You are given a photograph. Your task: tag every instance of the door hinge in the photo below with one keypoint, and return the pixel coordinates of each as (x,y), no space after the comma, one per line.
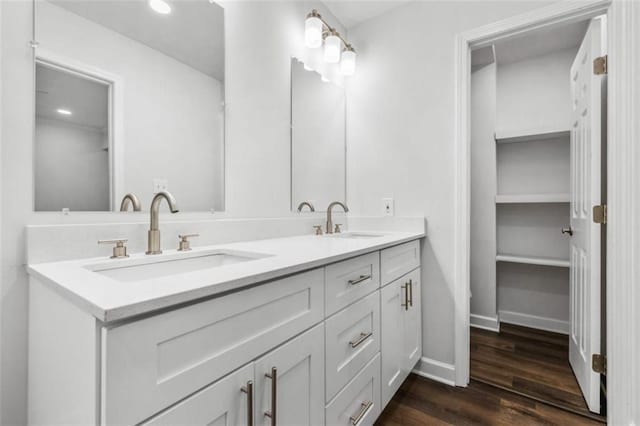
(600,214)
(599,363)
(600,65)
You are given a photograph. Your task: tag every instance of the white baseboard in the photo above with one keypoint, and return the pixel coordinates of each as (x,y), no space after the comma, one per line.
(436,370)
(542,323)
(485,323)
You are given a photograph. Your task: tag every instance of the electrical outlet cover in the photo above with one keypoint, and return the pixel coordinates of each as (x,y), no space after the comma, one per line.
(387,207)
(160,184)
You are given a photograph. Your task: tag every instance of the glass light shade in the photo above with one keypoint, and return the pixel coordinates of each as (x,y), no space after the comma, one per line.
(348,62)
(332,49)
(160,6)
(313,32)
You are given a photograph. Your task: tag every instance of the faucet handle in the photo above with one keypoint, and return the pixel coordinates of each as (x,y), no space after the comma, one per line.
(318,229)
(120,248)
(185,244)
(337,229)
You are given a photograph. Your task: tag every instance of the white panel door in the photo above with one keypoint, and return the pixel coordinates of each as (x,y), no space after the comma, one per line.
(298,394)
(412,322)
(586,193)
(392,297)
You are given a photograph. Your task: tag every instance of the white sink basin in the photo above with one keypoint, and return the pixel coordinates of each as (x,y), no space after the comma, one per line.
(166,265)
(355,234)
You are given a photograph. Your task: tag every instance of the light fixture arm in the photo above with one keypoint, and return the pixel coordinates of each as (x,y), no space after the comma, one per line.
(329,30)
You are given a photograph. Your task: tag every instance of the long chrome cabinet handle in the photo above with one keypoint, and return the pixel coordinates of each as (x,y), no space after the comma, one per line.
(248,389)
(405,305)
(364,407)
(361,339)
(274,391)
(411,293)
(359,280)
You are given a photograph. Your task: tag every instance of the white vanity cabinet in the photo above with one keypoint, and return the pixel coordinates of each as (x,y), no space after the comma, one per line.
(401,331)
(326,346)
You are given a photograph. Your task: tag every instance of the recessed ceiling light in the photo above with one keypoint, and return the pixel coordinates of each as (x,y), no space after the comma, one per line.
(63,111)
(160,6)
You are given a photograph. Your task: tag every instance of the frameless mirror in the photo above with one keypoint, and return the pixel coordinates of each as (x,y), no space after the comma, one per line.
(318,139)
(129,99)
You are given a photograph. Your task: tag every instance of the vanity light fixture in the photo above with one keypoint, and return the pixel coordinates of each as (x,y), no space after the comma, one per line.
(160,6)
(63,111)
(317,30)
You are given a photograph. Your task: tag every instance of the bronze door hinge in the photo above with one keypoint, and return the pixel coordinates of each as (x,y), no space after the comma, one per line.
(599,363)
(600,214)
(600,65)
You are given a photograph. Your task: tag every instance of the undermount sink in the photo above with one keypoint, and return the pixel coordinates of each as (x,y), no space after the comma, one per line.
(161,266)
(354,234)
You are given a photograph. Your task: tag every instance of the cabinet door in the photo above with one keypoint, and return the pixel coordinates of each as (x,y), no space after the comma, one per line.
(412,322)
(220,404)
(297,371)
(392,339)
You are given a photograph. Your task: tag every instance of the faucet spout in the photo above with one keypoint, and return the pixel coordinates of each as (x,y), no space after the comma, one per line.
(153,245)
(329,214)
(130,200)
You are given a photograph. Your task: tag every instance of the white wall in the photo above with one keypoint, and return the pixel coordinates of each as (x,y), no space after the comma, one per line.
(172,120)
(400,134)
(71,167)
(261,37)
(547,108)
(483,192)
(317,139)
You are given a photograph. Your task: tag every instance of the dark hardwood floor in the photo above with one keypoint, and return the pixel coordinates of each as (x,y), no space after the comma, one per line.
(520,376)
(531,362)
(422,401)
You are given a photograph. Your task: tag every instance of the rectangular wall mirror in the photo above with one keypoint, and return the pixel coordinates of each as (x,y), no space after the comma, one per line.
(318,139)
(129,99)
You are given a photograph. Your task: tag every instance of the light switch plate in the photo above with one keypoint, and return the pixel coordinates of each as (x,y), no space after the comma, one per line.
(387,207)
(160,184)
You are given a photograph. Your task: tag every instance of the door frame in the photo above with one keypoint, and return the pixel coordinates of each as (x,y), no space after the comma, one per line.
(623,229)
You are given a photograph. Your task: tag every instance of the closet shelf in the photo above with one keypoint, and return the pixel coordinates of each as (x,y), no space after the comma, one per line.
(532,198)
(543,261)
(530,135)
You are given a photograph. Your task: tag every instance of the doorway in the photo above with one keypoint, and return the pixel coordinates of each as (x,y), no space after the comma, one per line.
(537,134)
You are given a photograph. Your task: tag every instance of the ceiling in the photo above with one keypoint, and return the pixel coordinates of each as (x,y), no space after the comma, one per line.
(88,100)
(193,33)
(539,42)
(351,13)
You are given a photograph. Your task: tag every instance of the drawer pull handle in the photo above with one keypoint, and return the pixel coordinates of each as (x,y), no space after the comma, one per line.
(411,293)
(361,339)
(405,305)
(364,407)
(248,389)
(359,280)
(274,392)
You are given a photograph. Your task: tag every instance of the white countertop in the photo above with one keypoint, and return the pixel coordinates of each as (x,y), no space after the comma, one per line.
(109,300)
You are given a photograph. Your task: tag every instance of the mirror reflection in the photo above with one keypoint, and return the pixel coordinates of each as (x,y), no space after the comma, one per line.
(318,139)
(129,99)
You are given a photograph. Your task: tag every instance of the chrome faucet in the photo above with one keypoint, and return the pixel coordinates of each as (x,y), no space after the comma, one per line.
(329,220)
(306,203)
(128,200)
(153,246)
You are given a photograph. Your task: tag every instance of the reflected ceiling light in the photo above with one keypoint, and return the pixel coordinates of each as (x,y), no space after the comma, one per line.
(317,31)
(348,62)
(160,6)
(63,111)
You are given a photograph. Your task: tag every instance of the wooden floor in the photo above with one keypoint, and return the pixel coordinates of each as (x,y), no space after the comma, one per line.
(520,376)
(530,362)
(422,401)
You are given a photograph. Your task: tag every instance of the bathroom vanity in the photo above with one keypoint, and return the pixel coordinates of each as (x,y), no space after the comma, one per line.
(289,331)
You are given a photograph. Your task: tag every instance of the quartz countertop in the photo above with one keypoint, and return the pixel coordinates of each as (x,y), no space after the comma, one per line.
(110,300)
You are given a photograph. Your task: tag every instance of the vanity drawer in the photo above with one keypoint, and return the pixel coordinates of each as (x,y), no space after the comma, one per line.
(350,280)
(150,364)
(358,404)
(399,260)
(352,338)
